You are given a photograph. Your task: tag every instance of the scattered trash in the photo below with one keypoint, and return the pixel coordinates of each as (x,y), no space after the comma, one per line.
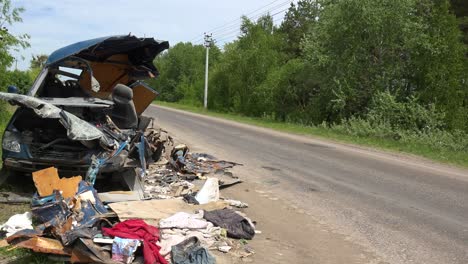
(154,210)
(236,225)
(183,220)
(177,216)
(47,181)
(190,252)
(123,249)
(209,191)
(236,203)
(44,245)
(138,229)
(17,223)
(224,249)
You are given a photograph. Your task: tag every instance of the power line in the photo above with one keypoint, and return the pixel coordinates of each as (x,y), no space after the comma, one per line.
(228,35)
(215,28)
(237,19)
(237,22)
(237,27)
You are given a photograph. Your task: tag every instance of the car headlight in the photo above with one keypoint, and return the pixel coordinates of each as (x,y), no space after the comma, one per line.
(11,142)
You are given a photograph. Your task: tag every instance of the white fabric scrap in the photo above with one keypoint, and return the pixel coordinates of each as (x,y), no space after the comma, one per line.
(184,220)
(224,249)
(236,203)
(171,237)
(209,192)
(17,223)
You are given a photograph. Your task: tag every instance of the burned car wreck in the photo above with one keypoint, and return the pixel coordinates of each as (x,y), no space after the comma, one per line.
(83,113)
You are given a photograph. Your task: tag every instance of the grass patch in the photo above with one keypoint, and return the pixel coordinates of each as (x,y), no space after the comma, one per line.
(20,256)
(458,158)
(5,114)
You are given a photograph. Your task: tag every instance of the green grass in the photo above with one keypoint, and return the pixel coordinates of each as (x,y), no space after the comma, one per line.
(19,256)
(415,148)
(5,114)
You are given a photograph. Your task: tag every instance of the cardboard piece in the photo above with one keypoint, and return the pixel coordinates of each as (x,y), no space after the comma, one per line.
(44,245)
(69,186)
(47,180)
(154,210)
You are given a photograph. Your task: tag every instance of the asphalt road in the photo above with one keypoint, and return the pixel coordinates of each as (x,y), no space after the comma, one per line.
(403,209)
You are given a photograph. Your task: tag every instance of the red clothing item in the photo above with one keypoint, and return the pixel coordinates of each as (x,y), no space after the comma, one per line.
(138,229)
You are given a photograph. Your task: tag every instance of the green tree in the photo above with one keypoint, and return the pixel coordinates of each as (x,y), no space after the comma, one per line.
(460,9)
(244,65)
(183,72)
(21,79)
(298,21)
(38,61)
(8,42)
(406,47)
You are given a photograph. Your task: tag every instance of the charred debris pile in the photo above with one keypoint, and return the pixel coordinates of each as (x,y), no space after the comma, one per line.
(174,212)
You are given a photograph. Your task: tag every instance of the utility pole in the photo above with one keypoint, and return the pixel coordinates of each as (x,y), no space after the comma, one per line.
(208,41)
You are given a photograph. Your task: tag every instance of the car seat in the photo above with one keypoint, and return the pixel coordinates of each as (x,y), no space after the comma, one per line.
(124,113)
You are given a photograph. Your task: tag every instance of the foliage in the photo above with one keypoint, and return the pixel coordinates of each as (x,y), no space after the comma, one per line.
(407,122)
(182,77)
(21,79)
(298,22)
(409,47)
(38,61)
(8,16)
(460,9)
(244,65)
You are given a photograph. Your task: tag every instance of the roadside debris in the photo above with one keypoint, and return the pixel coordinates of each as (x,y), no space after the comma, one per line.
(179,217)
(190,252)
(138,229)
(123,249)
(236,225)
(236,203)
(209,192)
(17,223)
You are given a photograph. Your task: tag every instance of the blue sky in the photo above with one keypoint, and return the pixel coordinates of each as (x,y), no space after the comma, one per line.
(55,23)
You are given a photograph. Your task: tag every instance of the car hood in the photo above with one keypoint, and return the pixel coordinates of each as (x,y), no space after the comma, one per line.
(140,51)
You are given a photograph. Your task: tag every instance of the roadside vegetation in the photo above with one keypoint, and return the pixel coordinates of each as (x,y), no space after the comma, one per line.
(382,73)
(5,114)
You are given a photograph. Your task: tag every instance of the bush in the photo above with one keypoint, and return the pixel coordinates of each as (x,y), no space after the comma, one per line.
(407,122)
(409,115)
